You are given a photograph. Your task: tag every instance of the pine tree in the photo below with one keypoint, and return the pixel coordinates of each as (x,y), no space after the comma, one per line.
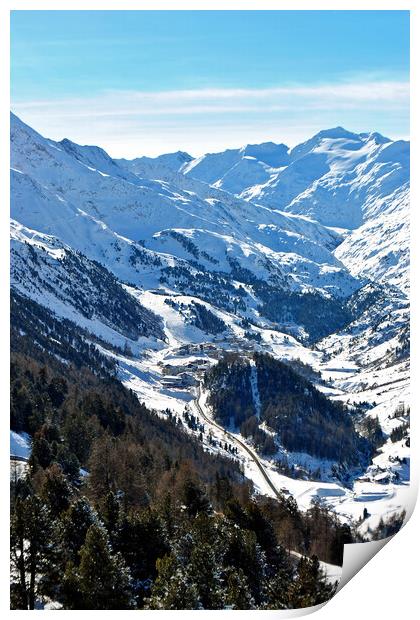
(78,435)
(242,551)
(142,541)
(33,550)
(223,490)
(41,454)
(56,491)
(237,594)
(101,466)
(103,580)
(110,513)
(204,572)
(266,537)
(75,524)
(194,498)
(57,390)
(310,586)
(278,590)
(68,462)
(173,589)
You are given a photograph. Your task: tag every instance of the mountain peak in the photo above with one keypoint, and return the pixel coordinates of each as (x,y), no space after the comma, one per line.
(77,149)
(270,153)
(375,137)
(336,133)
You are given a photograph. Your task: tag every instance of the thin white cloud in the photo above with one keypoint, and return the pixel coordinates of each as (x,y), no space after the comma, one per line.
(188,118)
(176,101)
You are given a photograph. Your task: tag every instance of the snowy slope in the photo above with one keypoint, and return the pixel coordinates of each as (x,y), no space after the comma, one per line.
(341,179)
(333,177)
(266,239)
(76,288)
(235,169)
(379,249)
(102,215)
(155,167)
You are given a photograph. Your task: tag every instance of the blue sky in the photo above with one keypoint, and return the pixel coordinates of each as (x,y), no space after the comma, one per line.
(146,82)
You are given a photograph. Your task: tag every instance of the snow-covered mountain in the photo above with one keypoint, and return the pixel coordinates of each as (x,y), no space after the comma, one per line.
(358,182)
(154,166)
(334,177)
(379,249)
(235,169)
(168,262)
(76,288)
(152,231)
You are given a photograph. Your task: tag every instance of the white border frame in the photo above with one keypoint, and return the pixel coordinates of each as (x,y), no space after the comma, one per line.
(387,586)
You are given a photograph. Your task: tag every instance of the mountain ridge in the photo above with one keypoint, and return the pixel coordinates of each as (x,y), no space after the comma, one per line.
(168,273)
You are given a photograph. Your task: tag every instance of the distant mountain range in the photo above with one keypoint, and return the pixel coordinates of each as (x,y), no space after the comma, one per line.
(299,253)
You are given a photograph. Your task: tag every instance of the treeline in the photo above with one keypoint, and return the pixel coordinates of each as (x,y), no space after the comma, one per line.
(319,315)
(214,287)
(197,314)
(206,320)
(40,334)
(87,286)
(73,412)
(121,509)
(304,419)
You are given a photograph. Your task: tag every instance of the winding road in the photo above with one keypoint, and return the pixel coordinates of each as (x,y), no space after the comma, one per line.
(240,443)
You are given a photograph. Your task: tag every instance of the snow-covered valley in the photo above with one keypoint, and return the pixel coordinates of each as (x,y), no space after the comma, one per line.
(167,265)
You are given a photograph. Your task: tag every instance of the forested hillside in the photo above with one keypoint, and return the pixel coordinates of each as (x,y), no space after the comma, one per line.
(304,419)
(122,509)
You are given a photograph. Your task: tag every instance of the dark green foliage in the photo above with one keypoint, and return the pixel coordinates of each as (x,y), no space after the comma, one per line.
(233,402)
(371,429)
(319,315)
(310,588)
(305,419)
(34,331)
(204,570)
(197,314)
(400,432)
(33,551)
(142,540)
(305,370)
(143,257)
(213,287)
(279,591)
(237,594)
(75,524)
(102,580)
(111,513)
(110,417)
(366,297)
(193,497)
(389,527)
(402,350)
(172,589)
(262,440)
(206,320)
(326,534)
(158,522)
(55,490)
(78,435)
(278,303)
